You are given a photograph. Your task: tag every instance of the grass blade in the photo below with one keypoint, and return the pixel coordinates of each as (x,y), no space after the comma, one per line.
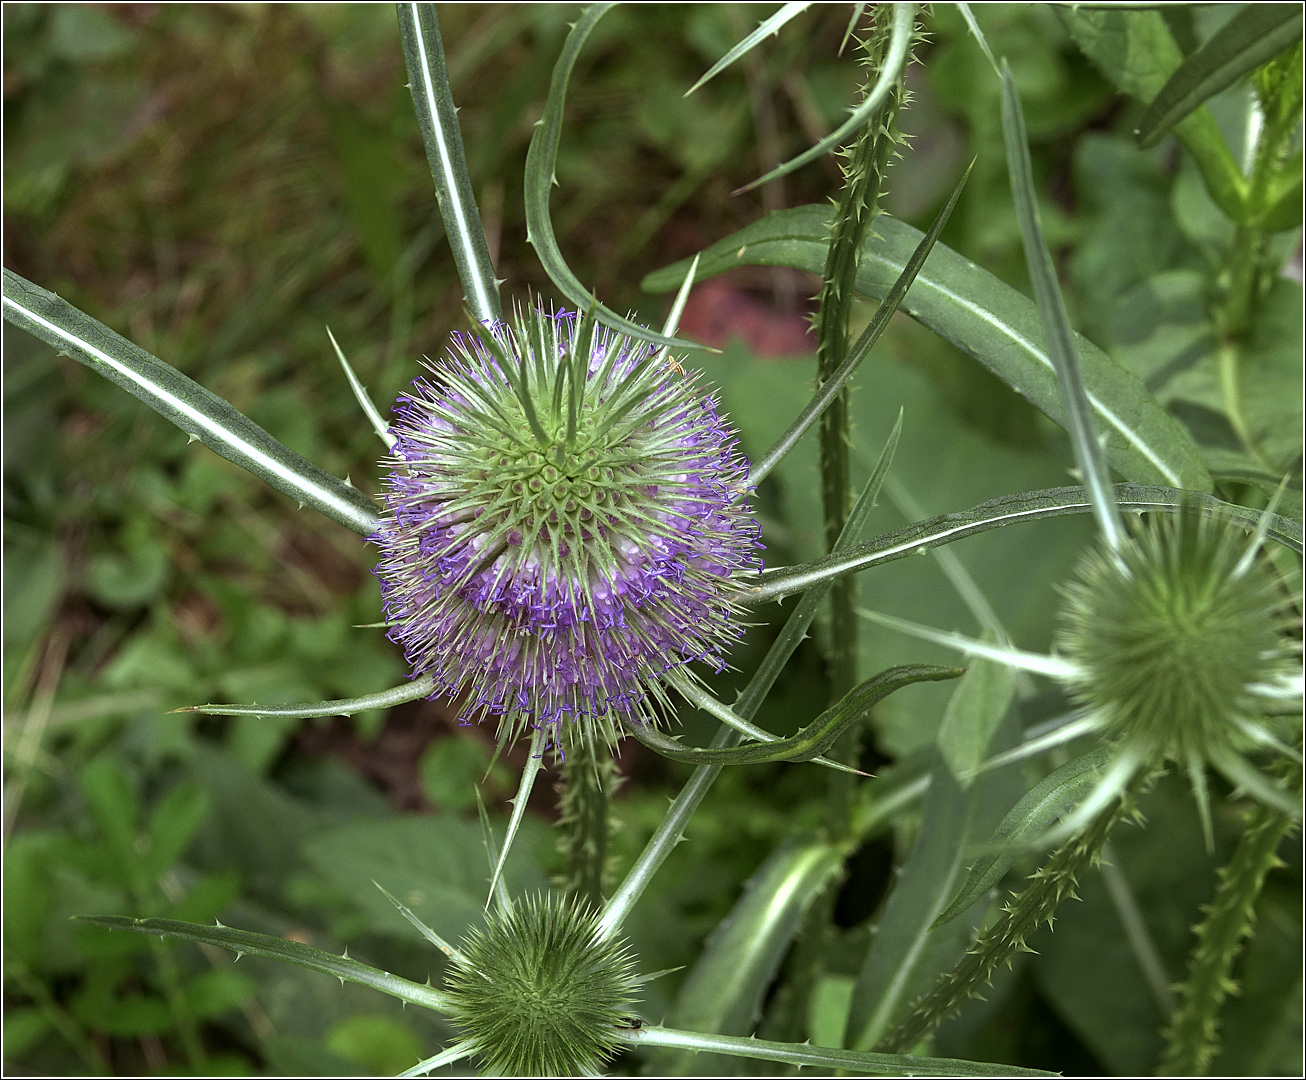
(541,158)
(1254,35)
(200,413)
(895,59)
(428,79)
(1056,323)
(244,943)
(766,29)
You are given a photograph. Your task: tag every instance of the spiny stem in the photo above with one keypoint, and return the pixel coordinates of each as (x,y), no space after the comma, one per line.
(1191,1039)
(1034,905)
(589,778)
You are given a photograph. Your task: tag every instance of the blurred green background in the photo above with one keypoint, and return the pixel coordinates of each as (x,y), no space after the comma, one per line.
(219,183)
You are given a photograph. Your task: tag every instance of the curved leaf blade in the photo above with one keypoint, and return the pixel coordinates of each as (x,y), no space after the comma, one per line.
(895,60)
(1057,334)
(995,514)
(1029,819)
(428,79)
(823,1057)
(382,699)
(1256,34)
(985,318)
(244,943)
(765,29)
(541,157)
(197,411)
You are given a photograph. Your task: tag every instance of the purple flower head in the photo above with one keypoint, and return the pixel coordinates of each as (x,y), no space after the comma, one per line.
(567,523)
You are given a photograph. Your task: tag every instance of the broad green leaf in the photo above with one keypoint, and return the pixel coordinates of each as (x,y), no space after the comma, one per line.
(766,29)
(420,687)
(1254,35)
(994,514)
(112,802)
(724,990)
(1057,335)
(243,943)
(1029,819)
(895,61)
(975,711)
(173,823)
(428,79)
(1135,50)
(198,412)
(982,316)
(908,952)
(822,1057)
(540,161)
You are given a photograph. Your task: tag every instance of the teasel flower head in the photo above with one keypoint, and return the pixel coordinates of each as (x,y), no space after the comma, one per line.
(1182,645)
(539,991)
(568,522)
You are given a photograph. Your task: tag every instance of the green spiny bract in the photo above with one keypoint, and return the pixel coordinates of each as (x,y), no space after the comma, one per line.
(539,992)
(1180,642)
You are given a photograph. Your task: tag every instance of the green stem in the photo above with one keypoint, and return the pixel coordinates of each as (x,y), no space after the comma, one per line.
(1034,905)
(589,778)
(858,205)
(1191,1040)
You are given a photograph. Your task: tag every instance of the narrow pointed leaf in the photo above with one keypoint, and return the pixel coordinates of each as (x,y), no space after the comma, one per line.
(1058,336)
(198,412)
(817,737)
(985,318)
(275,948)
(361,396)
(534,759)
(895,60)
(428,79)
(1254,35)
(979,37)
(1042,805)
(541,158)
(724,990)
(822,1057)
(861,349)
(383,699)
(766,29)
(996,514)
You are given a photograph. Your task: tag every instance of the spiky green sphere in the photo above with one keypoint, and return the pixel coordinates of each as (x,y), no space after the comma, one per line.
(1180,642)
(541,992)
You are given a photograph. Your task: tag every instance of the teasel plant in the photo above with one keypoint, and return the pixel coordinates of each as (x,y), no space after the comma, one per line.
(568,544)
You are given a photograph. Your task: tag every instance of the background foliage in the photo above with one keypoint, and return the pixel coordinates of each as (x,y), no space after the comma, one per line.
(219,183)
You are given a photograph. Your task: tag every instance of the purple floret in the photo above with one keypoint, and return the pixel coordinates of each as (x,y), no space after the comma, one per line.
(554,572)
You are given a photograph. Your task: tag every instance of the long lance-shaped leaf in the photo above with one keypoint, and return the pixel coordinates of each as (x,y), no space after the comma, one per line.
(541,159)
(1056,323)
(1253,36)
(895,59)
(724,989)
(822,1057)
(996,514)
(767,28)
(244,943)
(428,79)
(421,687)
(673,824)
(200,413)
(1029,819)
(830,389)
(985,318)
(816,738)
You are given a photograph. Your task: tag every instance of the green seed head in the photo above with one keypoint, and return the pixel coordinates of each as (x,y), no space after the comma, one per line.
(1180,640)
(541,993)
